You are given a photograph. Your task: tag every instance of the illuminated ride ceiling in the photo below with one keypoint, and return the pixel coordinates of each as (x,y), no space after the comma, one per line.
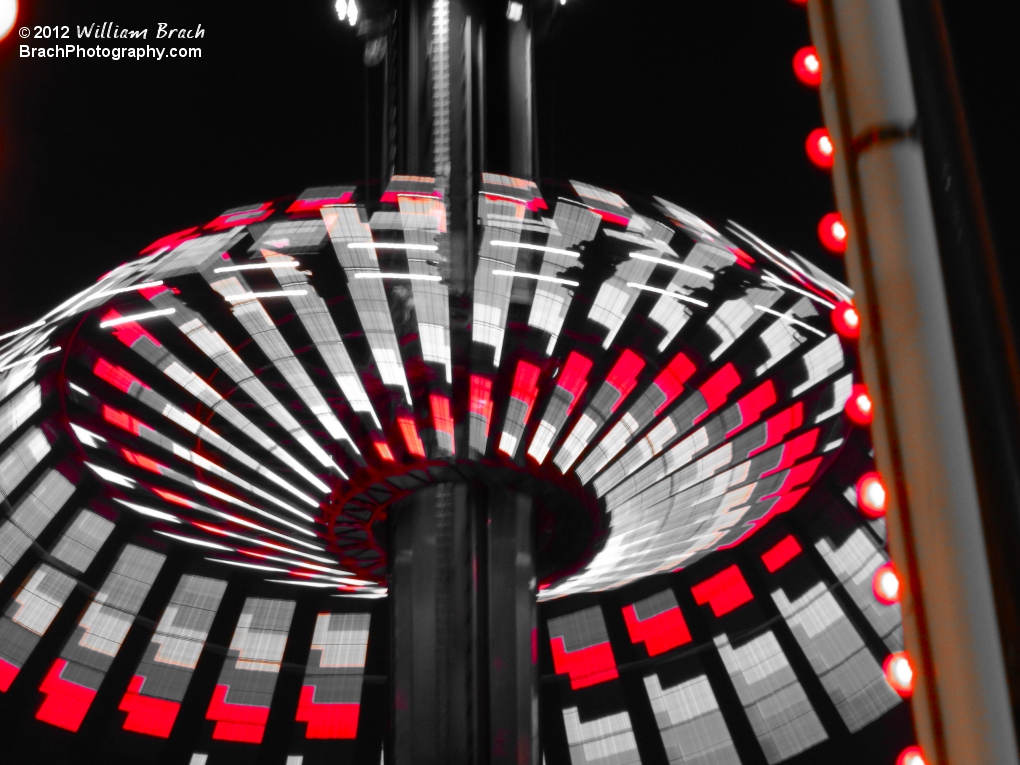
(263,387)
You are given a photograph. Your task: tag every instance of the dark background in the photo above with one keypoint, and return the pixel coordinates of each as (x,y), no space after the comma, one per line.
(694,101)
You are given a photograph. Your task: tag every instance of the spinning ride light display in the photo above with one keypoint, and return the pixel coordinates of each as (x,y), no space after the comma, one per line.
(202,452)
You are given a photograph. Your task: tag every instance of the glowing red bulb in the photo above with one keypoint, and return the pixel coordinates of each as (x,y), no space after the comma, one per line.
(886,584)
(911,756)
(858,407)
(807,66)
(899,673)
(832,231)
(871,495)
(820,149)
(846,321)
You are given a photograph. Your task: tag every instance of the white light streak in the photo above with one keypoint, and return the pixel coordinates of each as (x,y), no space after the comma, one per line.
(303,583)
(15,332)
(254,266)
(673,264)
(199,542)
(119,290)
(536,247)
(536,277)
(352,13)
(390,275)
(391,245)
(152,513)
(259,295)
(79,389)
(111,476)
(667,293)
(810,295)
(29,359)
(249,565)
(87,437)
(791,320)
(136,317)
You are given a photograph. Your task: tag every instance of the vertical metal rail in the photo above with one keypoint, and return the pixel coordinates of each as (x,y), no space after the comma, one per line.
(922,443)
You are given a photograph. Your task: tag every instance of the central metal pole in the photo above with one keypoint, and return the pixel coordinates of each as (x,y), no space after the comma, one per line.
(462,594)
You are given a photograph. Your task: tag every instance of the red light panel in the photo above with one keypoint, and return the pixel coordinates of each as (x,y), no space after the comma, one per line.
(912,755)
(442,420)
(146,714)
(481,399)
(623,376)
(717,388)
(410,434)
(724,592)
(140,460)
(782,553)
(671,379)
(236,722)
(7,674)
(659,633)
(807,66)
(383,449)
(170,241)
(326,720)
(66,703)
(587,666)
(118,377)
(753,404)
(573,377)
(525,387)
(777,426)
(121,419)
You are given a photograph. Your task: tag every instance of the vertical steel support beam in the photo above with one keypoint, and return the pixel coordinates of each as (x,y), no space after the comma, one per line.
(920,431)
(462,594)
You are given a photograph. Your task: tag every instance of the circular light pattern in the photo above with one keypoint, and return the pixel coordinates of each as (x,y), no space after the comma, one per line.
(858,407)
(886,584)
(846,321)
(832,232)
(899,673)
(872,495)
(8,15)
(911,756)
(807,66)
(820,149)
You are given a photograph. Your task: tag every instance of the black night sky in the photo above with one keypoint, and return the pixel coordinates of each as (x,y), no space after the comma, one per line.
(694,101)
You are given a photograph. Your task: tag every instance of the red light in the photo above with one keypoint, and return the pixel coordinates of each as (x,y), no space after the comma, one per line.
(807,66)
(799,2)
(911,756)
(410,434)
(846,321)
(899,673)
(586,666)
(778,556)
(858,407)
(871,495)
(325,720)
(525,387)
(820,149)
(659,633)
(886,584)
(724,592)
(832,232)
